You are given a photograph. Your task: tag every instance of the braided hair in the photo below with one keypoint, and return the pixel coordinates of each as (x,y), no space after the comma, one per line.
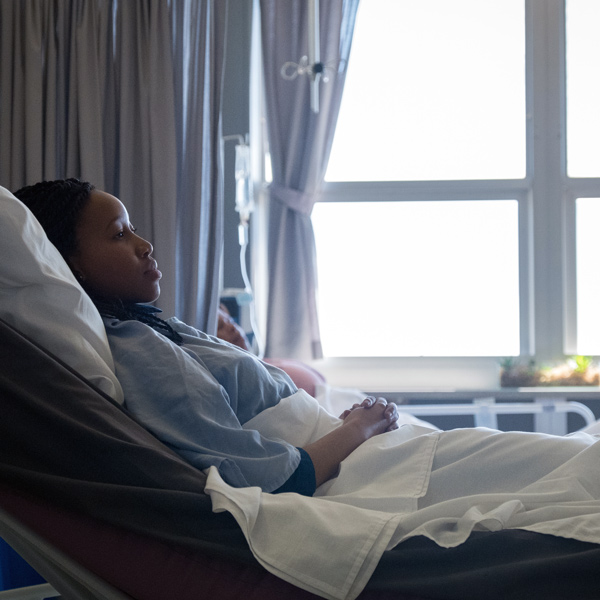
(145,313)
(58,205)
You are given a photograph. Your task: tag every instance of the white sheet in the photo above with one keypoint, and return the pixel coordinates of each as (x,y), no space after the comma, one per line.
(413,481)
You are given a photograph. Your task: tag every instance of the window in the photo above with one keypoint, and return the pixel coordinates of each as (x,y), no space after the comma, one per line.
(419,278)
(424,107)
(449,174)
(588,282)
(583,131)
(583,87)
(433,91)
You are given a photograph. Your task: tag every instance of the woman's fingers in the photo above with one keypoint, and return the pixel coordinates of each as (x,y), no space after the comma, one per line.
(390,410)
(370,401)
(391,413)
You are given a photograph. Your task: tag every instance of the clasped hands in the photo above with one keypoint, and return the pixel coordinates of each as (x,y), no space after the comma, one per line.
(380,412)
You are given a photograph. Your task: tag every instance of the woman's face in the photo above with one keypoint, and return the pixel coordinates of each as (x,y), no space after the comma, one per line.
(111,260)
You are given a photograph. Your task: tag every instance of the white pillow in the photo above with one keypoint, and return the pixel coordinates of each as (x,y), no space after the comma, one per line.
(40,296)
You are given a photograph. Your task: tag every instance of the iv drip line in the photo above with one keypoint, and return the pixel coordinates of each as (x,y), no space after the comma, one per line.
(257,341)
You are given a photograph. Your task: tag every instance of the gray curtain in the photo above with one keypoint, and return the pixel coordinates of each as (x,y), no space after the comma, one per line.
(125,94)
(300,143)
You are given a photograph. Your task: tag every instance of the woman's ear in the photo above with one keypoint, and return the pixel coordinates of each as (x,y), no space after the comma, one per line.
(73,262)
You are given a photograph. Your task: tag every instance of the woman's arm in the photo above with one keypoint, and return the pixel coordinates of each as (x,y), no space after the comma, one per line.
(362,422)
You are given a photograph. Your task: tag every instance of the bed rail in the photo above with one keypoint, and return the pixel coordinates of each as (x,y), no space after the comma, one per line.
(548,412)
(32,592)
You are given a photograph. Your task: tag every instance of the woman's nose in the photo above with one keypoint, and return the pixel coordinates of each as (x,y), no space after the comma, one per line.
(145,248)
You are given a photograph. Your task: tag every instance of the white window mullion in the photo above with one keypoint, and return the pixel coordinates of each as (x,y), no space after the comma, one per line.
(526,271)
(545,28)
(570,273)
(399,191)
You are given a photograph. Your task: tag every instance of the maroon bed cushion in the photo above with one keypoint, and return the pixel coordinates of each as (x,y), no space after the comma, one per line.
(145,568)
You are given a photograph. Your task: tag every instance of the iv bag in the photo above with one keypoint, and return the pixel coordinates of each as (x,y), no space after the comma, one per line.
(244,202)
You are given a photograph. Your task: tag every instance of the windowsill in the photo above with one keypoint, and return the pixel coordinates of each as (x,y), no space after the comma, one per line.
(436,379)
(416,373)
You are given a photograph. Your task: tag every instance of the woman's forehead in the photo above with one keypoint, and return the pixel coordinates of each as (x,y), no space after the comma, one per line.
(102,210)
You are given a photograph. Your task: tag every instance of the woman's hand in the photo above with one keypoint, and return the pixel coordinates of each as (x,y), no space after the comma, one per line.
(361,422)
(390,410)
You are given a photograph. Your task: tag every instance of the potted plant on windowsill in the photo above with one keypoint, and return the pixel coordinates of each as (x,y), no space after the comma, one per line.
(575,371)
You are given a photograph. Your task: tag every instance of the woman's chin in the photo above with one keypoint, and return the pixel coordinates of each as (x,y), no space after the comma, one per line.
(154,297)
(149,297)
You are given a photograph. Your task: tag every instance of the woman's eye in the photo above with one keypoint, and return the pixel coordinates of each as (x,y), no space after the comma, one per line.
(123,232)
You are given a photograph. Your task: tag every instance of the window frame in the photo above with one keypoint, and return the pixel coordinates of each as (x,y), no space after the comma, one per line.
(472,190)
(547,238)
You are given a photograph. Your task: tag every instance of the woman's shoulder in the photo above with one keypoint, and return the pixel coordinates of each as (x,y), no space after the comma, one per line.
(131,330)
(134,334)
(194,336)
(181,327)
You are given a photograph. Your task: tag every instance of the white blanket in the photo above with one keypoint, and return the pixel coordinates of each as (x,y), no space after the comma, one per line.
(412,481)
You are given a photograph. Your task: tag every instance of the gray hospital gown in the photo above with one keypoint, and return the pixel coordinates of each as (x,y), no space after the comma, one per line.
(196,397)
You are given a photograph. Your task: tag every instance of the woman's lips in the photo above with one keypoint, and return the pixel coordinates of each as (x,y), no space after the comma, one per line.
(153,273)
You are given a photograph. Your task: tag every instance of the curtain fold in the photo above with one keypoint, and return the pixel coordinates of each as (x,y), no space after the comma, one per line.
(198,97)
(300,142)
(125,94)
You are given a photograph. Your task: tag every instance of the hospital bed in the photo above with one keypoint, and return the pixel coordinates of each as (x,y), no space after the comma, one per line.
(103,510)
(125,518)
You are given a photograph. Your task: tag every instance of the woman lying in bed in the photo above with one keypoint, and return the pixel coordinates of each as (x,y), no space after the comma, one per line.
(192,391)
(197,393)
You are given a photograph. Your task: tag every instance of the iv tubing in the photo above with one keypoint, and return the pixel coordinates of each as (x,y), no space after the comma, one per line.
(243,235)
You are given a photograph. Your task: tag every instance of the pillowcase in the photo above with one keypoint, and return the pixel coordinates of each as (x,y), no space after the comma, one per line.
(40,296)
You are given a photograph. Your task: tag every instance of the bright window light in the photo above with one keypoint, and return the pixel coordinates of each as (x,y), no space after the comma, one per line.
(418,278)
(583,87)
(588,279)
(435,90)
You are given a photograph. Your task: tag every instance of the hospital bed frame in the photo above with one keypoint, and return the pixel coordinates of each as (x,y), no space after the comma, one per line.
(32,592)
(549,413)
